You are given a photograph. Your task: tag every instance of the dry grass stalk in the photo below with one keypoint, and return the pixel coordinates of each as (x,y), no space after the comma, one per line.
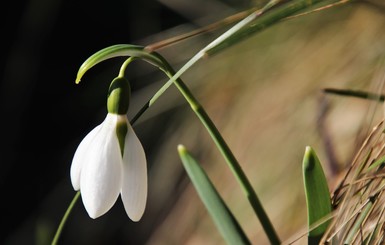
(358,201)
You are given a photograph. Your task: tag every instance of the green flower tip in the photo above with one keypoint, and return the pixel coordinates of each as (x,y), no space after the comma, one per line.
(119,95)
(182,150)
(309,158)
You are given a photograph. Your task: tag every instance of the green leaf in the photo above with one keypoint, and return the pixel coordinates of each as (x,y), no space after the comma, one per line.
(117,51)
(274,12)
(355,229)
(225,221)
(317,196)
(377,163)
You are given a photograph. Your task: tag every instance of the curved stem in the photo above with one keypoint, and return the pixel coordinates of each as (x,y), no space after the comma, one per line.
(227,154)
(125,64)
(64,219)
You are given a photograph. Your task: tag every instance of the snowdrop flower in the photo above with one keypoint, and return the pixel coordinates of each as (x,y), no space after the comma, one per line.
(110,161)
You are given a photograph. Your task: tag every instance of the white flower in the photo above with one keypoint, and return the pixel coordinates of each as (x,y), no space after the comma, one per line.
(102,171)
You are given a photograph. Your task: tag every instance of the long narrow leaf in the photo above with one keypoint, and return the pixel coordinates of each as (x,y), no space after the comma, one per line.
(317,195)
(117,51)
(224,220)
(354,231)
(262,21)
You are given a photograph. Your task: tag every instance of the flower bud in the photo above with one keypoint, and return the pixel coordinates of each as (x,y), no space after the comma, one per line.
(119,95)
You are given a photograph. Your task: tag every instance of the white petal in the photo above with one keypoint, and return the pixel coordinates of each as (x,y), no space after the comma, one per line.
(134,188)
(79,157)
(101,176)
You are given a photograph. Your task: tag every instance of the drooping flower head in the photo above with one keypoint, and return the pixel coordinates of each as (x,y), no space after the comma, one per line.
(110,160)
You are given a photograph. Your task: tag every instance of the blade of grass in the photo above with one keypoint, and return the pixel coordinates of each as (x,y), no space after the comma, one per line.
(271,17)
(377,163)
(223,218)
(353,232)
(355,93)
(317,195)
(374,234)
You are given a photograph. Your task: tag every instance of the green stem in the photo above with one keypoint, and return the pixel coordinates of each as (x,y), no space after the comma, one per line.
(228,155)
(64,219)
(125,64)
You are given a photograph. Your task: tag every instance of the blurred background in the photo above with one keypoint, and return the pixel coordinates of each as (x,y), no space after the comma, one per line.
(264,94)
